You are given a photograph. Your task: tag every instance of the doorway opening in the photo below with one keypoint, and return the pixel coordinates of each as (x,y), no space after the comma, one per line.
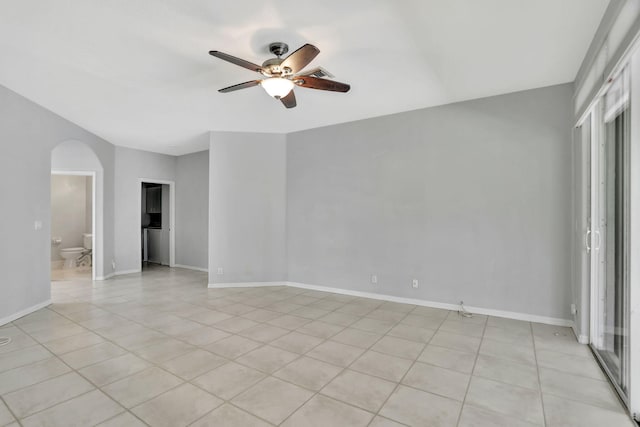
(156,209)
(73,225)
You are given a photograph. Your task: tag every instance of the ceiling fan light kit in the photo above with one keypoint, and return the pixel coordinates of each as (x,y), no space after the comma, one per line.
(277,86)
(282,75)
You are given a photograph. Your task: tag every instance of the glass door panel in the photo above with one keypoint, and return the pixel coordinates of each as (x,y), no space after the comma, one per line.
(611,341)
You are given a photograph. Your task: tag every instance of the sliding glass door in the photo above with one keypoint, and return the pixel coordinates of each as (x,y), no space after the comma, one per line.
(610,309)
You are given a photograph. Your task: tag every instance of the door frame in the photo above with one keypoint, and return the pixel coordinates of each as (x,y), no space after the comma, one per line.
(631,250)
(92,174)
(583,230)
(172,218)
(634,235)
(599,252)
(631,59)
(597,189)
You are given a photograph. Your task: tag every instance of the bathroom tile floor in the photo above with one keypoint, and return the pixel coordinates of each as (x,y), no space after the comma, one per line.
(161,349)
(78,273)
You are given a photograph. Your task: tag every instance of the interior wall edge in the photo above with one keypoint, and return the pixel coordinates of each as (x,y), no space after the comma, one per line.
(22,313)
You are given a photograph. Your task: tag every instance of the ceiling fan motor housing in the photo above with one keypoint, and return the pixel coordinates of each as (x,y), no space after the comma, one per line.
(272,68)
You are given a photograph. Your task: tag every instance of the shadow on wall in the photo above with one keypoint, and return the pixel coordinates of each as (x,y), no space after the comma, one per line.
(76,156)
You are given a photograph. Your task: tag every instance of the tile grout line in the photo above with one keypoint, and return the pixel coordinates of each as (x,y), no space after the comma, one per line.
(262,343)
(473,368)
(234,298)
(96,387)
(343,369)
(413,362)
(535,356)
(300,356)
(79,374)
(289,332)
(235,360)
(16,419)
(417,361)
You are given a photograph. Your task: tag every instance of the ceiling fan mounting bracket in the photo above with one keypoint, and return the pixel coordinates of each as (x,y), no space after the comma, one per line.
(278,48)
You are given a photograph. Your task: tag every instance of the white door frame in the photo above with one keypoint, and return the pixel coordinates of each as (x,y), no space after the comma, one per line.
(598,255)
(632,59)
(172,218)
(634,250)
(92,174)
(597,224)
(583,238)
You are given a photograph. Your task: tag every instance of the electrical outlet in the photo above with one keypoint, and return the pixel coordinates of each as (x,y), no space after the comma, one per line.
(374,279)
(220,271)
(415,283)
(574,310)
(37,224)
(113,265)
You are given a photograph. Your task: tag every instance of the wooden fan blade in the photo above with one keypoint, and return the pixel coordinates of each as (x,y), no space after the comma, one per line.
(241,62)
(322,84)
(239,86)
(289,101)
(300,58)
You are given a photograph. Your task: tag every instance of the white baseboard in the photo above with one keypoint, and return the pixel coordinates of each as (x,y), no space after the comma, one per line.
(24,312)
(190,267)
(123,272)
(137,270)
(105,277)
(447,306)
(414,301)
(582,339)
(246,285)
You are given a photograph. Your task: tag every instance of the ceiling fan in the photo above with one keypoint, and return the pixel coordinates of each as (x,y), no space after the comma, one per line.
(283,74)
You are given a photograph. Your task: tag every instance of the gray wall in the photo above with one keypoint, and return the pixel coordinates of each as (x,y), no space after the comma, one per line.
(132,165)
(472,199)
(192,210)
(191,178)
(247,207)
(28,133)
(88,225)
(166,225)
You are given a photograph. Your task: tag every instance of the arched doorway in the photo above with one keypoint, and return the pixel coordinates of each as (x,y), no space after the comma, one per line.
(75,158)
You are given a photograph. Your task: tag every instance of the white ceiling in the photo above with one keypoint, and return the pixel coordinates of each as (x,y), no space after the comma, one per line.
(138,73)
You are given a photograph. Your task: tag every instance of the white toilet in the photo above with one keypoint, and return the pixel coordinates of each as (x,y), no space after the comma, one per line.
(71,255)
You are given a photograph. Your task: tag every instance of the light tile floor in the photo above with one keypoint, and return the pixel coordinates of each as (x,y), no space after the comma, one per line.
(77,273)
(160,349)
